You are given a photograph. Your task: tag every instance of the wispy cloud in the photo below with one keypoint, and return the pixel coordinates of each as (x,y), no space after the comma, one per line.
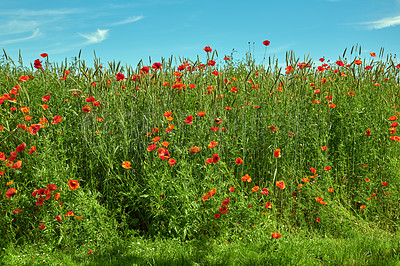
(95,37)
(382,23)
(34,35)
(35,13)
(128,20)
(18,26)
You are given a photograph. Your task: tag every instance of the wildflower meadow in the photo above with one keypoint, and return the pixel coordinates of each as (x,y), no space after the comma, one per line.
(210,161)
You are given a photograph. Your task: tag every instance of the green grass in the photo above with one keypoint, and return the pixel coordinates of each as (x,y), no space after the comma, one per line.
(345,195)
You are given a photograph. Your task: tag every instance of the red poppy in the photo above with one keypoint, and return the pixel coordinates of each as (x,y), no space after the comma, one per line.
(171,162)
(145,70)
(232,189)
(73,184)
(39,201)
(318,220)
(322,59)
(17,165)
(163,153)
(23,78)
(226,201)
(276,235)
(156,66)
(312,169)
(56,119)
(324,148)
(42,226)
(239,161)
(215,129)
(70,213)
(209,160)
(37,64)
(17,211)
(368,133)
(10,192)
(327,168)
(43,55)
(362,207)
(207,49)
(385,183)
(217,215)
(211,63)
(247,178)
(87,109)
(268,205)
(32,149)
(266,42)
(194,149)
(372,54)
(58,218)
(223,209)
(201,113)
(20,147)
(120,77)
(265,191)
(169,128)
(281,184)
(215,158)
(189,120)
(339,63)
(273,128)
(255,189)
(46,98)
(277,153)
(393,118)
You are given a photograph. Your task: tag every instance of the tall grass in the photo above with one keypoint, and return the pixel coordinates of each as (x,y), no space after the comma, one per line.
(317,115)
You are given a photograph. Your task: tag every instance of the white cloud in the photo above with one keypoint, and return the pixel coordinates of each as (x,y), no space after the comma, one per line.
(95,37)
(18,26)
(382,23)
(34,35)
(128,20)
(35,13)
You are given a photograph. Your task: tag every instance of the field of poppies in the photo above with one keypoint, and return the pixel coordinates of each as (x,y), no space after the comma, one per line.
(220,149)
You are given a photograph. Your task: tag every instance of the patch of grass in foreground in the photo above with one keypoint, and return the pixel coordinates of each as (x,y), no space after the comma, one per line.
(372,248)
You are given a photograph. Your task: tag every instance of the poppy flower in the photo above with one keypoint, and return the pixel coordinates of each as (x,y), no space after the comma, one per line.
(327,168)
(393,118)
(194,149)
(226,201)
(17,211)
(37,64)
(70,213)
(268,205)
(209,160)
(20,147)
(215,129)
(277,153)
(39,201)
(331,190)
(372,54)
(58,218)
(318,220)
(42,226)
(239,161)
(23,78)
(156,139)
(273,128)
(189,119)
(171,162)
(167,113)
(305,180)
(10,192)
(17,165)
(201,113)
(312,169)
(362,207)
(324,148)
(368,133)
(211,63)
(56,196)
(276,235)
(156,66)
(13,156)
(145,70)
(226,58)
(56,119)
(126,165)
(169,128)
(120,77)
(217,215)
(223,209)
(255,189)
(385,183)
(215,158)
(339,63)
(357,62)
(207,49)
(266,42)
(87,109)
(165,144)
(265,191)
(43,55)
(232,189)
(246,178)
(46,98)
(73,184)
(281,184)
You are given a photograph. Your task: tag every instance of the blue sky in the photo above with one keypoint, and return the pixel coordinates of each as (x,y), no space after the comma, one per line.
(128,31)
